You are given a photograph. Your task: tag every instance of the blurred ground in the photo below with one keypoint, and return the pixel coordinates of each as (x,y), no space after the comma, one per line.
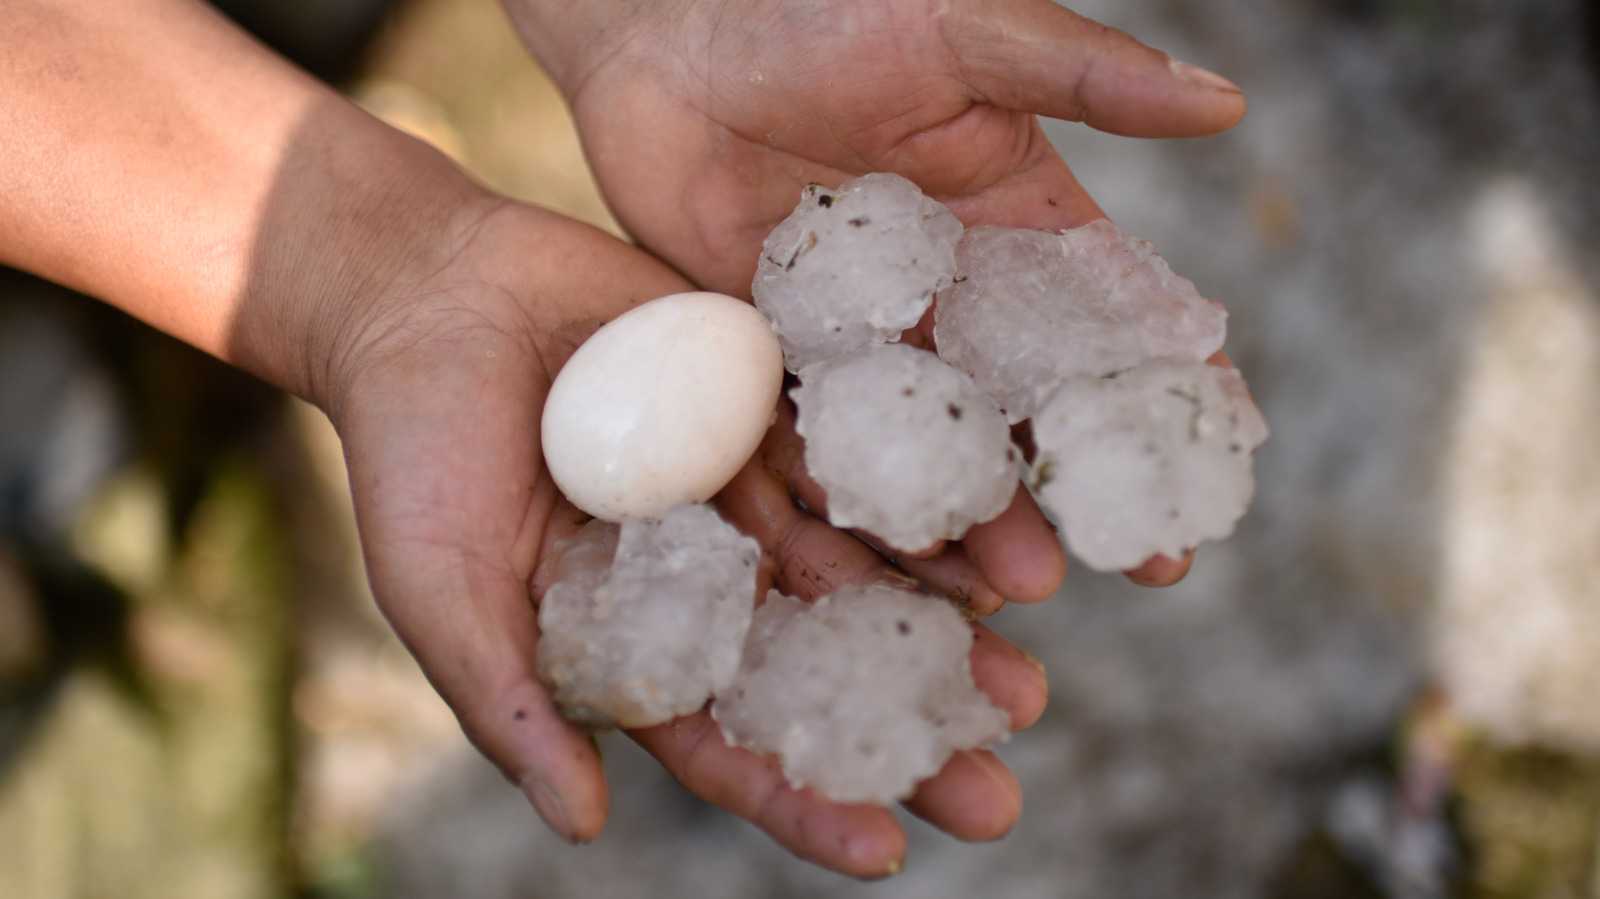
(1385,686)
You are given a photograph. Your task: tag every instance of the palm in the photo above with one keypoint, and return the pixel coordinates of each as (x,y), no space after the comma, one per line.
(440,420)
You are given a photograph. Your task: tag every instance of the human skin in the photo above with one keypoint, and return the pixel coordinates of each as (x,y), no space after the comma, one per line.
(159,159)
(744,102)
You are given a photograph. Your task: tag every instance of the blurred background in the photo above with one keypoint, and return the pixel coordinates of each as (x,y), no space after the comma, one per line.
(1386,685)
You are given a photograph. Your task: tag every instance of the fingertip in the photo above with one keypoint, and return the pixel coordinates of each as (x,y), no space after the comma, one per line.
(873,854)
(554,763)
(1012,678)
(974,798)
(558,768)
(1161,571)
(1018,552)
(1073,68)
(582,825)
(1226,99)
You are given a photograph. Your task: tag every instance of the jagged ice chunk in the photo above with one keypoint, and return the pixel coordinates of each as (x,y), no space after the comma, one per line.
(1152,460)
(644,623)
(1031,308)
(905,446)
(854,266)
(861,695)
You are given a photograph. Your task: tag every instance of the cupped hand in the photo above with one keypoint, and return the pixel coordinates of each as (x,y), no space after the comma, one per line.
(438,401)
(704,119)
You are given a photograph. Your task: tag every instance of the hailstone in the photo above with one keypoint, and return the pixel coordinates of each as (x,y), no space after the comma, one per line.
(905,446)
(646,620)
(1152,460)
(861,695)
(854,266)
(1032,308)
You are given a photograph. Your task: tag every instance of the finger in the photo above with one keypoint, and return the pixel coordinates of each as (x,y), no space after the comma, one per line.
(810,557)
(449,530)
(953,575)
(973,798)
(473,631)
(1036,56)
(859,840)
(1040,192)
(1019,552)
(1013,679)
(1161,571)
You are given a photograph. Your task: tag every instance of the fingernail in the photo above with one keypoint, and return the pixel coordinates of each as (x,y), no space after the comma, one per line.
(1029,658)
(896,577)
(1201,77)
(547,805)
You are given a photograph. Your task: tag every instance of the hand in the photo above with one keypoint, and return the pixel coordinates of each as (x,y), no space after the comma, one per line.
(259,217)
(438,400)
(704,120)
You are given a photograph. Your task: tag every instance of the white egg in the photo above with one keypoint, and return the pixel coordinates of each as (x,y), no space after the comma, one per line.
(662,405)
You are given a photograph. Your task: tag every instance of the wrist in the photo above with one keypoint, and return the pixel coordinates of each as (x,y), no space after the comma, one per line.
(367,217)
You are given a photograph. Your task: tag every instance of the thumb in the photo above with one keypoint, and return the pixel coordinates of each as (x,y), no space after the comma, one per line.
(450,526)
(1038,57)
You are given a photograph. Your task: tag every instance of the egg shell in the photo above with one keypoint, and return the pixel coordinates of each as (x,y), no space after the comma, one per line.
(662,405)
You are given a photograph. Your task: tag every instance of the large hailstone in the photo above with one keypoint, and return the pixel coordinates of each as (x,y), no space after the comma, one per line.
(1152,460)
(862,695)
(853,267)
(1031,309)
(906,447)
(643,625)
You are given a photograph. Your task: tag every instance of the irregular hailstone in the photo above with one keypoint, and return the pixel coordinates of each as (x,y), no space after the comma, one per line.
(905,446)
(861,695)
(1152,460)
(1031,309)
(650,633)
(854,266)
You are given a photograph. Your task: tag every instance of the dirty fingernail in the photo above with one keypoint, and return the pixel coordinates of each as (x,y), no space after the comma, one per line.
(547,805)
(1202,77)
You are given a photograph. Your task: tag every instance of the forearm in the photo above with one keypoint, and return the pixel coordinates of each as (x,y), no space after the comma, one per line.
(159,159)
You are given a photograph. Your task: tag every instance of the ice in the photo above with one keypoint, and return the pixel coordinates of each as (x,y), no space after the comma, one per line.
(906,447)
(1031,308)
(649,633)
(861,695)
(853,267)
(1152,460)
